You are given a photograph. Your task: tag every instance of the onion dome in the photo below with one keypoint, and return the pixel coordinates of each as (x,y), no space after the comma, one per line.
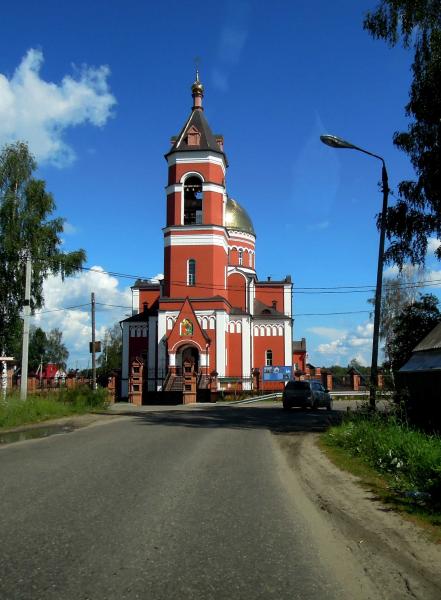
(197,91)
(237,218)
(197,85)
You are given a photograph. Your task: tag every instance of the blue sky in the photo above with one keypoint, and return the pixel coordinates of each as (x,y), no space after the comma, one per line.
(98,88)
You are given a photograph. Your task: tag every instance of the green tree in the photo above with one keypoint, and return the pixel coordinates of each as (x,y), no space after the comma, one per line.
(56,351)
(25,226)
(410,326)
(37,347)
(111,356)
(398,292)
(417,213)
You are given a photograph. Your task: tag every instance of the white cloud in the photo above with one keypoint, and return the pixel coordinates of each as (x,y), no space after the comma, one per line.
(341,349)
(76,323)
(327,332)
(69,229)
(39,111)
(433,244)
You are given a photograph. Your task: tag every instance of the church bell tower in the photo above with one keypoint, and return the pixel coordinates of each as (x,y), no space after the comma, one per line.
(195,241)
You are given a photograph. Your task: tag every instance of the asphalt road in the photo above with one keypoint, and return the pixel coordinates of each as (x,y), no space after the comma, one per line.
(185,504)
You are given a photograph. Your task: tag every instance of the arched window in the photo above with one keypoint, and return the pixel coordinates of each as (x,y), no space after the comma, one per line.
(191,274)
(193,201)
(240,257)
(269,358)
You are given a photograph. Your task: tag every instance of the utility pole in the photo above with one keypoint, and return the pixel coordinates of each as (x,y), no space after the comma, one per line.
(26,315)
(93,342)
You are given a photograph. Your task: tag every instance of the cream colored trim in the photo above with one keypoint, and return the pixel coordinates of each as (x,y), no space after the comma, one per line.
(240,235)
(213,187)
(159,342)
(173,188)
(221,323)
(188,174)
(135,301)
(196,240)
(246,358)
(125,361)
(287,300)
(288,343)
(204,156)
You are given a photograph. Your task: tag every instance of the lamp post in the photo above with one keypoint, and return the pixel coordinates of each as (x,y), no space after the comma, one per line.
(336,142)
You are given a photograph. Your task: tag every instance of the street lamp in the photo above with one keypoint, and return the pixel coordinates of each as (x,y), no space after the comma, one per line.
(336,142)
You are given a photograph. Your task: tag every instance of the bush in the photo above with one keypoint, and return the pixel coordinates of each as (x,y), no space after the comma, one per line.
(14,412)
(411,459)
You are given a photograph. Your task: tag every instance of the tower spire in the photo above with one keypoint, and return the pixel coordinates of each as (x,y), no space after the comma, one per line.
(197,92)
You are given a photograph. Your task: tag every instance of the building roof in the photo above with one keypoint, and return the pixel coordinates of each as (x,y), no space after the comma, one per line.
(263,310)
(423,361)
(146,284)
(208,141)
(299,345)
(432,341)
(270,281)
(237,218)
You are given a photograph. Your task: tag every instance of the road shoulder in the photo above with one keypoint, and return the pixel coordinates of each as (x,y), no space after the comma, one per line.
(394,554)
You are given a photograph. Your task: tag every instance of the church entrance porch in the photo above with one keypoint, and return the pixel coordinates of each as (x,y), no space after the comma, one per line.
(187,354)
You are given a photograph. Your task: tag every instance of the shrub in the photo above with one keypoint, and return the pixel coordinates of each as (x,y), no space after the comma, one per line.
(411,459)
(14,412)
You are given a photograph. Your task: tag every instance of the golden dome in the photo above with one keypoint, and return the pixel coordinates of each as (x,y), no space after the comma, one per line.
(236,217)
(197,86)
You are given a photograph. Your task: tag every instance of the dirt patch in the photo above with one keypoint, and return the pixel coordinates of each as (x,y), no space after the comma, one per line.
(390,557)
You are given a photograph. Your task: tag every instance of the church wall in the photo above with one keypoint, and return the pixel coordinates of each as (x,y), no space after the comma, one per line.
(149,296)
(234,349)
(267,294)
(210,270)
(264,343)
(237,290)
(212,208)
(174,202)
(210,172)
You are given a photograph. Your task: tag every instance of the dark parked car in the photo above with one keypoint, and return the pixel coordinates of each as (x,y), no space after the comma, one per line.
(306,394)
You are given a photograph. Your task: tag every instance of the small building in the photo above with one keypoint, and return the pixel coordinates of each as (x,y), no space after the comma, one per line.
(420,380)
(299,356)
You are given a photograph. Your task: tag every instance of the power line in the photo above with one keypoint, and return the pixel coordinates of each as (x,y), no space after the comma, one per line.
(352,312)
(43,312)
(339,289)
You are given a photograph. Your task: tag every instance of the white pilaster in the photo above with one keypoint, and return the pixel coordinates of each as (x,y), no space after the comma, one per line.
(160,341)
(246,349)
(221,326)
(287,332)
(135,301)
(125,361)
(287,300)
(151,353)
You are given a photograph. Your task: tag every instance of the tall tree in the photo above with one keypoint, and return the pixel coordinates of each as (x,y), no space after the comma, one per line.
(56,351)
(398,293)
(37,347)
(111,356)
(409,327)
(417,213)
(25,226)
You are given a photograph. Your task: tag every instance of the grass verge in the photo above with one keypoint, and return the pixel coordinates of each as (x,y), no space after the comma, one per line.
(401,466)
(15,412)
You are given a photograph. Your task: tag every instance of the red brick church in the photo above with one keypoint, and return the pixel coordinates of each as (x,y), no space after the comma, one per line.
(210,311)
